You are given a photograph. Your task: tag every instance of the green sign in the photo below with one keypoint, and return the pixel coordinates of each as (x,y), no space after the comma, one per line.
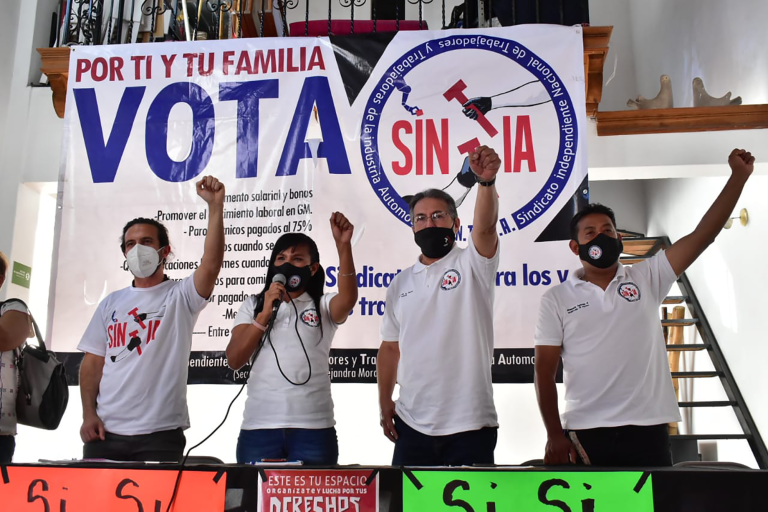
(527,491)
(21,274)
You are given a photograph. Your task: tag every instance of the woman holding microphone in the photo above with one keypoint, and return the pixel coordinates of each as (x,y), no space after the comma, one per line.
(286,332)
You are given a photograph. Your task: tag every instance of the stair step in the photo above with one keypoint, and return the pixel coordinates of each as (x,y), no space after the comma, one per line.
(631,260)
(640,246)
(720,403)
(681,322)
(687,347)
(625,233)
(675,299)
(710,437)
(696,375)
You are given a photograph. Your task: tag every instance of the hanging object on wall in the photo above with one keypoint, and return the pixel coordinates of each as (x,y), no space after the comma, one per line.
(662,100)
(701,97)
(743,219)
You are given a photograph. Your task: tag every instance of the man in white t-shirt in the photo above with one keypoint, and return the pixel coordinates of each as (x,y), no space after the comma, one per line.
(437,333)
(15,328)
(604,322)
(133,379)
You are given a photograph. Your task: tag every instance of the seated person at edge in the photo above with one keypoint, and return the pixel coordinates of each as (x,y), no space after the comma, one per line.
(604,321)
(437,333)
(289,411)
(134,385)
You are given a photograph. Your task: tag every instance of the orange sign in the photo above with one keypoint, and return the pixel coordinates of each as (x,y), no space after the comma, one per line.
(117,490)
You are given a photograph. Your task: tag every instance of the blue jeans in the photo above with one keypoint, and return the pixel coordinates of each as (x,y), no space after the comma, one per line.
(314,447)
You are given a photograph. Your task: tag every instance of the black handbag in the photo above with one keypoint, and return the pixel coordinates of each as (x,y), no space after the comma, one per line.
(43,392)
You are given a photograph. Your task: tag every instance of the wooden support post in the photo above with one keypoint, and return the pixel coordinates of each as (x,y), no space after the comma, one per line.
(676,337)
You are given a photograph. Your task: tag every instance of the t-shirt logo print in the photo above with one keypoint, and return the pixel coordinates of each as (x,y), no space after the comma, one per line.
(450,280)
(310,317)
(146,323)
(595,252)
(629,292)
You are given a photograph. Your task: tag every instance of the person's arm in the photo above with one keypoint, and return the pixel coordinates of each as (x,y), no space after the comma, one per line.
(685,251)
(212,192)
(559,447)
(386,370)
(342,303)
(14,329)
(246,336)
(485,164)
(90,377)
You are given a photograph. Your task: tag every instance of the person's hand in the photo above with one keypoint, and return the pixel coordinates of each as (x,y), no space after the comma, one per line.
(92,429)
(485,163)
(211,190)
(483,104)
(388,419)
(559,450)
(341,228)
(742,163)
(276,291)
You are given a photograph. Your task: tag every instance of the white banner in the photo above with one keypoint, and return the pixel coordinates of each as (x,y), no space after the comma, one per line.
(294,134)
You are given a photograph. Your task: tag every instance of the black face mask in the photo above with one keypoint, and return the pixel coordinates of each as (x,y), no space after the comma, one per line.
(296,278)
(435,242)
(602,251)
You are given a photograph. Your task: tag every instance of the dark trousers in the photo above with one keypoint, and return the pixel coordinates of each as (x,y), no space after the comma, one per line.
(461,449)
(7,447)
(314,447)
(165,446)
(627,446)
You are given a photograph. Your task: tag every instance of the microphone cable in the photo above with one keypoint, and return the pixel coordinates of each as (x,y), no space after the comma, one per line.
(304,348)
(229,407)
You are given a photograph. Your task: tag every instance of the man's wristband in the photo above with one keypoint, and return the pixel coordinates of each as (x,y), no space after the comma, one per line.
(487,183)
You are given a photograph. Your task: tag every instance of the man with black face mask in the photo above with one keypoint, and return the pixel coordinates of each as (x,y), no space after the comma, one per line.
(604,321)
(133,378)
(437,333)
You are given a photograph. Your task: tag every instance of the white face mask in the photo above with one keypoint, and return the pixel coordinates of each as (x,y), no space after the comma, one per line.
(142,260)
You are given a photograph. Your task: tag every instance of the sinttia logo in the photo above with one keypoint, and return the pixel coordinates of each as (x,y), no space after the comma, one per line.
(433,106)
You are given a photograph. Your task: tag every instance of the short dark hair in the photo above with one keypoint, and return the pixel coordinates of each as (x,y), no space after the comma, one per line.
(3,263)
(162,231)
(589,210)
(434,193)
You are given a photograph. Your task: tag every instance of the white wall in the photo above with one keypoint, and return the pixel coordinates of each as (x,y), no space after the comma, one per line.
(620,59)
(728,278)
(30,134)
(521,435)
(627,199)
(724,43)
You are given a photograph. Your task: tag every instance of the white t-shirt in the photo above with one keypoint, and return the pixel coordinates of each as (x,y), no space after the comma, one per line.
(615,365)
(273,402)
(442,318)
(145,336)
(9,380)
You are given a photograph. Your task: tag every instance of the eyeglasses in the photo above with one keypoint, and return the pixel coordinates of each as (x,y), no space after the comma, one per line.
(437,217)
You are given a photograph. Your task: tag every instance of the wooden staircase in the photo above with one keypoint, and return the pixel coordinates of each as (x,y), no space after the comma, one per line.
(637,248)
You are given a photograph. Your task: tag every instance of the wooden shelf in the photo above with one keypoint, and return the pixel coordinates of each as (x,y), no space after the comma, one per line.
(595,51)
(56,67)
(674,120)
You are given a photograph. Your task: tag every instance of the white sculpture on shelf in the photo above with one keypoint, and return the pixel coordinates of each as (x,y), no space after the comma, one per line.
(662,100)
(702,99)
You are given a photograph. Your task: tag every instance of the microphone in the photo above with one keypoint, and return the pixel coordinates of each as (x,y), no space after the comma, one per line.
(279,278)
